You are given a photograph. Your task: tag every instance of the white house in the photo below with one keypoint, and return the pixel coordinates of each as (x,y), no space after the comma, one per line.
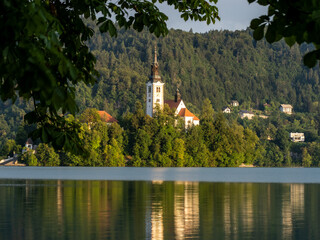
(297,137)
(155,96)
(29,146)
(29,143)
(246,114)
(286,108)
(263,116)
(226,110)
(234,103)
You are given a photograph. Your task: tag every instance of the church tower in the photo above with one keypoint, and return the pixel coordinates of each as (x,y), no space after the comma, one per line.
(155,88)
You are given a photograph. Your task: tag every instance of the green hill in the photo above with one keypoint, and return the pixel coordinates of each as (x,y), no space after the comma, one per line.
(219,65)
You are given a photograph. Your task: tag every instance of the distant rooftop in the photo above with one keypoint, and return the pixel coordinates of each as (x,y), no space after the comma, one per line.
(286,105)
(106,117)
(246,111)
(172,103)
(184,112)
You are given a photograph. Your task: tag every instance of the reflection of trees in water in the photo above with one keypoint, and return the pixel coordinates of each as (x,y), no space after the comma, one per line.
(159,210)
(237,209)
(250,210)
(231,210)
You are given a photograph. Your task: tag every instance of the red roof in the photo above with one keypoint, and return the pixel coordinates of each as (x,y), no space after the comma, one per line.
(172,103)
(106,117)
(184,112)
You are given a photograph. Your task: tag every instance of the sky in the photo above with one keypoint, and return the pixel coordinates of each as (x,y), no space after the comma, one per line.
(234,14)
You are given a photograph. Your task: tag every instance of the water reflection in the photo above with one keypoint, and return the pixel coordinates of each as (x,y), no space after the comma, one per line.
(157,210)
(186,209)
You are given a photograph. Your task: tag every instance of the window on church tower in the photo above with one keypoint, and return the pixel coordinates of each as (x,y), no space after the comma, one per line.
(149,89)
(158,100)
(158,89)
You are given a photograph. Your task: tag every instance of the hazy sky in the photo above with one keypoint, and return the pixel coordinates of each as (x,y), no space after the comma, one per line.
(234,14)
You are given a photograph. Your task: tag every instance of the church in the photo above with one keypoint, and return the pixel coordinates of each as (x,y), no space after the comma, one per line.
(155,96)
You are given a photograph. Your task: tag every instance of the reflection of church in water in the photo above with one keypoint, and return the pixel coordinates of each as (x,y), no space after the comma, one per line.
(185,218)
(155,96)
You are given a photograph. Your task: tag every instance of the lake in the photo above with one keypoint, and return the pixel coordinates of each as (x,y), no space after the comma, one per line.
(159,203)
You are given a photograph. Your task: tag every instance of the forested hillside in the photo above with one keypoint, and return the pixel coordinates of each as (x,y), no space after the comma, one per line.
(219,65)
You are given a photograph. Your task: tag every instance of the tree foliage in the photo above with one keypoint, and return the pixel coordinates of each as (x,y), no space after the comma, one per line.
(295,21)
(29,159)
(44,55)
(47,156)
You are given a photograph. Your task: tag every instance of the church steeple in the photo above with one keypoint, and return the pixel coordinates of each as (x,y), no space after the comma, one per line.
(177,96)
(155,77)
(155,56)
(155,88)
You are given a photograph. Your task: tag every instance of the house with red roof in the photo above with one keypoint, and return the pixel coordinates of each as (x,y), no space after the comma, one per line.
(155,97)
(181,110)
(106,117)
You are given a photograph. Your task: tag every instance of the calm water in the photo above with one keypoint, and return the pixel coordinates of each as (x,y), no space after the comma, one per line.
(263,175)
(109,209)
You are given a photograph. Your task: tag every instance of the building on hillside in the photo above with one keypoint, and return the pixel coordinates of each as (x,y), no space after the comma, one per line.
(106,117)
(297,137)
(263,116)
(180,109)
(286,108)
(226,110)
(29,143)
(234,103)
(29,146)
(246,114)
(155,97)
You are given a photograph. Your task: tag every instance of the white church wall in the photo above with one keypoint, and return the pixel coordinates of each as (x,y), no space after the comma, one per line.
(180,106)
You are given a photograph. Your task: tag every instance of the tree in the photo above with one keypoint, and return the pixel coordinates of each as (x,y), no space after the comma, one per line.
(4,128)
(29,158)
(207,111)
(314,150)
(47,156)
(21,136)
(250,151)
(282,139)
(295,21)
(178,152)
(274,156)
(113,155)
(195,145)
(306,158)
(44,52)
(90,116)
(69,159)
(141,148)
(9,147)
